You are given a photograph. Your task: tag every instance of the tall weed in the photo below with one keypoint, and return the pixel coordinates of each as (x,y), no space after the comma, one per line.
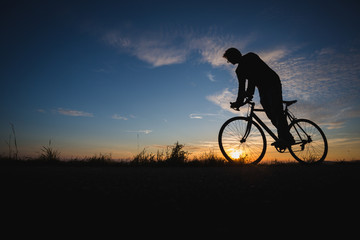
(49,154)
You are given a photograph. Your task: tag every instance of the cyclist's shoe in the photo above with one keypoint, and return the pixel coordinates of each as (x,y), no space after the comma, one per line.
(278,143)
(283,143)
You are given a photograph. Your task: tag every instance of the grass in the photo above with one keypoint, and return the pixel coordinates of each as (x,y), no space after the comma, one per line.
(174,155)
(12,144)
(49,154)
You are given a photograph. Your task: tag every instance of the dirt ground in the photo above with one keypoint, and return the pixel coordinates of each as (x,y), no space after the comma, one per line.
(179,198)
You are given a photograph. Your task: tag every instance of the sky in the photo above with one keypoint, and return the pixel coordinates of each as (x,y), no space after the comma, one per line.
(117,77)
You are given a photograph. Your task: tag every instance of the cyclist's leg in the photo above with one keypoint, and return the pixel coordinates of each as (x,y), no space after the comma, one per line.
(271,101)
(283,130)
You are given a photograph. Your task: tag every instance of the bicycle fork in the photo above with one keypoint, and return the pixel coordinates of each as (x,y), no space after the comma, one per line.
(247,131)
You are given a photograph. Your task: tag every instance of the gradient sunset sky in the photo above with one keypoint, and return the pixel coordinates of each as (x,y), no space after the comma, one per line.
(115,77)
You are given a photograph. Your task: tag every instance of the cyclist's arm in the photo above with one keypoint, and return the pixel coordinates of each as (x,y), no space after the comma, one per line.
(250,89)
(241,91)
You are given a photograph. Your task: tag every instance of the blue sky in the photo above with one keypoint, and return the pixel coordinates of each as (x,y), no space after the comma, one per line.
(115,77)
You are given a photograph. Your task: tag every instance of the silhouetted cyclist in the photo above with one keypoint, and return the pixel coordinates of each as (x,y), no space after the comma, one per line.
(260,75)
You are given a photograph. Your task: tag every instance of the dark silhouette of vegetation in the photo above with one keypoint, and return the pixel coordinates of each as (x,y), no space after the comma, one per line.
(175,155)
(145,158)
(12,142)
(178,155)
(49,154)
(101,159)
(172,155)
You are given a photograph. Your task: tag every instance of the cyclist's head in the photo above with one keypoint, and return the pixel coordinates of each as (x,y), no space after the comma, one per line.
(232,55)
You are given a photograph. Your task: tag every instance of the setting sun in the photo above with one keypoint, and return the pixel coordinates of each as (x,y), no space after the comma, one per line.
(237,154)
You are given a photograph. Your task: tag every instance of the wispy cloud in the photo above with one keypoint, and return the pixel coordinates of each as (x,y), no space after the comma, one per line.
(330,117)
(201,115)
(222,99)
(195,116)
(146,131)
(155,49)
(73,113)
(273,56)
(118,117)
(344,141)
(211,77)
(321,74)
(161,48)
(212,46)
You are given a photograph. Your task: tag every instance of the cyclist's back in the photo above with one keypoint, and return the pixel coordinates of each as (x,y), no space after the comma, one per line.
(252,68)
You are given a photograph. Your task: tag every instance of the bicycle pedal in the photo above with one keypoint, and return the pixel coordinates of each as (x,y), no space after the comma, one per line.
(280,149)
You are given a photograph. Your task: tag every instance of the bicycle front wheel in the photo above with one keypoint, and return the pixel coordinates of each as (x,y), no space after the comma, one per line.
(240,142)
(310,142)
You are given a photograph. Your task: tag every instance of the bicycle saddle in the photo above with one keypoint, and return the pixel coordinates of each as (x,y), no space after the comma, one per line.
(288,103)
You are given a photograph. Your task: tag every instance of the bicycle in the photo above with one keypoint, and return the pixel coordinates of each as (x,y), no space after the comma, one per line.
(242,139)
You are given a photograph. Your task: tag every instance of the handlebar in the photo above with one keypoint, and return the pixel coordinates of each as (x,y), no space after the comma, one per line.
(236,106)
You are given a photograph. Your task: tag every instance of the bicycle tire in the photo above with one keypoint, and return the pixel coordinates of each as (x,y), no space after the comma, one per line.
(310,142)
(249,152)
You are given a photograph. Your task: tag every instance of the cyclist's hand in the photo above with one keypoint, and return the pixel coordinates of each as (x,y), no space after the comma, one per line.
(236,105)
(248,99)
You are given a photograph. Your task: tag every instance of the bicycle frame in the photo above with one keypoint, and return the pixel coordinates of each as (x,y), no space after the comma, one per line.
(253,116)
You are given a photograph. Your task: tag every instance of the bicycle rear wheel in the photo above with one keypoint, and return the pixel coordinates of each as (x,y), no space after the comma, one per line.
(310,142)
(236,148)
